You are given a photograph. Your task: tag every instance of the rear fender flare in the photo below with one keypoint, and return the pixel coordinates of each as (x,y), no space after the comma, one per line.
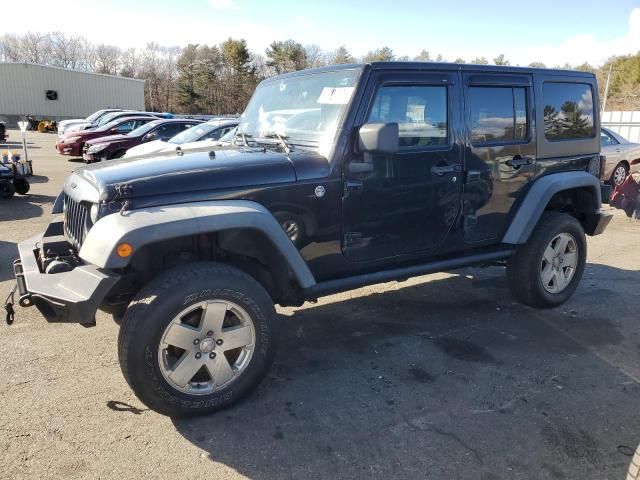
(538,197)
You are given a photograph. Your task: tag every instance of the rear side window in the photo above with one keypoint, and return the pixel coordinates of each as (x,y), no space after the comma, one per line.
(498,114)
(568,110)
(420,111)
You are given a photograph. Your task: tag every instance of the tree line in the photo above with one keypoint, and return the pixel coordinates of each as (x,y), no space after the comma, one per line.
(220,79)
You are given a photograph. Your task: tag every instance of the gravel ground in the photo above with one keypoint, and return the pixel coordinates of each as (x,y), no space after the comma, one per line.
(443,376)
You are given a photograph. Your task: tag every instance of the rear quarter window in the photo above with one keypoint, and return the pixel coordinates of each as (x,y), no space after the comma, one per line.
(568,111)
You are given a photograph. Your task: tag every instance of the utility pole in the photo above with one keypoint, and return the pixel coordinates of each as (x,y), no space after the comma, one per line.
(606,88)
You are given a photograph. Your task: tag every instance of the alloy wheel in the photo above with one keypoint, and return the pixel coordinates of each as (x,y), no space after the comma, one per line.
(559,263)
(206,347)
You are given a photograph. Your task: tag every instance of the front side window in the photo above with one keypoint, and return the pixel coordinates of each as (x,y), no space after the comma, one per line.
(419,111)
(606,139)
(498,114)
(568,110)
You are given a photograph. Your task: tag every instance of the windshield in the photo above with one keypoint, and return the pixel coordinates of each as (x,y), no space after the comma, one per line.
(192,134)
(94,116)
(110,116)
(143,129)
(304,109)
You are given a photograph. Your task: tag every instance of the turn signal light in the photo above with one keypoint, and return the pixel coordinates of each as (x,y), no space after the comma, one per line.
(124,250)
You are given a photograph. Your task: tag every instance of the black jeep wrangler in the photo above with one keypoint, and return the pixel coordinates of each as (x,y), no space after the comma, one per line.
(378,172)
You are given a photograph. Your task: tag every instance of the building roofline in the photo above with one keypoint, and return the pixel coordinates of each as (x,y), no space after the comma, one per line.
(29,64)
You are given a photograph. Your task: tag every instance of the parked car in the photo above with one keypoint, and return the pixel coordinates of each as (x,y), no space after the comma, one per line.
(114,116)
(210,131)
(115,146)
(402,169)
(94,117)
(620,155)
(73,143)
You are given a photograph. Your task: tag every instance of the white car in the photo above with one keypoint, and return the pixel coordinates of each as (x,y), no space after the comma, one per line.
(199,137)
(64,125)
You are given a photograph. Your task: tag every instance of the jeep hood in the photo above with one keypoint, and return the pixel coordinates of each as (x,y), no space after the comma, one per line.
(228,169)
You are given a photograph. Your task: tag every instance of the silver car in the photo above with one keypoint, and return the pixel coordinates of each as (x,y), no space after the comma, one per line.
(621,156)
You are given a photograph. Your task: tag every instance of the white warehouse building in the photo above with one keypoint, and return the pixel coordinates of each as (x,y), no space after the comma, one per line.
(54,93)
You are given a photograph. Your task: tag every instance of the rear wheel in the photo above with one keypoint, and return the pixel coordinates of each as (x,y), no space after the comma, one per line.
(197,339)
(619,174)
(545,271)
(21,185)
(7,190)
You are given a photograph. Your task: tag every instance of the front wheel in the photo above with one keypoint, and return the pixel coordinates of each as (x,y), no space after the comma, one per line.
(545,271)
(197,339)
(7,190)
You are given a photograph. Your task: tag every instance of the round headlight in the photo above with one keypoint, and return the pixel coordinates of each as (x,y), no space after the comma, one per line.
(94,213)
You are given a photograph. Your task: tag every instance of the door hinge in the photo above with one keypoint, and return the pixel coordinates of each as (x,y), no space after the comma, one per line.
(352,238)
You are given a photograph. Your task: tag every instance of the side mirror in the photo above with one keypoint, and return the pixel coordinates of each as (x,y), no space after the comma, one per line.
(149,136)
(379,138)
(115,131)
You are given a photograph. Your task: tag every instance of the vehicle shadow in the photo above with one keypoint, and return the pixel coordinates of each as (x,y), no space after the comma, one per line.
(8,252)
(20,207)
(38,179)
(449,378)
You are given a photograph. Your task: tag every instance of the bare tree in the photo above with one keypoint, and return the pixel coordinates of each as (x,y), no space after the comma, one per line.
(36,47)
(315,56)
(106,59)
(66,52)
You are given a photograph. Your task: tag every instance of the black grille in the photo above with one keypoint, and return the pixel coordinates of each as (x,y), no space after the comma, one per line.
(75,221)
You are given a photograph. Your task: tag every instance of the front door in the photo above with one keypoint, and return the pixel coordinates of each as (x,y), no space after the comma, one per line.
(406,202)
(501,151)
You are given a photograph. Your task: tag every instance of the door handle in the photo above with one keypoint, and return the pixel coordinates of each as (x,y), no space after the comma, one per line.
(441,170)
(518,161)
(352,186)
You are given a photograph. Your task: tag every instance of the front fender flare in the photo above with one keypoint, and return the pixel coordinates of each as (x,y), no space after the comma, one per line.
(154,224)
(538,197)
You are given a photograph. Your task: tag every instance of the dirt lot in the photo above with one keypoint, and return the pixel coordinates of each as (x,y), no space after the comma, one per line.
(441,377)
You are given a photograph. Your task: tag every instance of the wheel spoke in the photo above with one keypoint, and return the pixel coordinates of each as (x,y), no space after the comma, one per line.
(547,274)
(213,316)
(561,280)
(549,254)
(561,246)
(181,336)
(219,369)
(186,368)
(570,259)
(236,337)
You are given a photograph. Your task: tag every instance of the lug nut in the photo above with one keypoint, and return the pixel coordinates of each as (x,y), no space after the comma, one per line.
(212,355)
(196,341)
(210,333)
(219,341)
(198,355)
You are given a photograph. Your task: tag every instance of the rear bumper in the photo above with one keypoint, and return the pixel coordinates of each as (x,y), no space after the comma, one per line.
(71,297)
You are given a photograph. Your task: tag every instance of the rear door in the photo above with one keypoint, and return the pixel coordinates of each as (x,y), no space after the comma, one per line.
(407,202)
(501,150)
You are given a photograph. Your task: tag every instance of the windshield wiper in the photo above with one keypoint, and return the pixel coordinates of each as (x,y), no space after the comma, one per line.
(282,139)
(244,137)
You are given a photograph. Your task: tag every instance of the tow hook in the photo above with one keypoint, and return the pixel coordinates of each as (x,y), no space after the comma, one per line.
(8,306)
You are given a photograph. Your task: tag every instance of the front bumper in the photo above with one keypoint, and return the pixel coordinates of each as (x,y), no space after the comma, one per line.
(71,297)
(68,149)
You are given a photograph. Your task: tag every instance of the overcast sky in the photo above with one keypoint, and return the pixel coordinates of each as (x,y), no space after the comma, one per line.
(550,31)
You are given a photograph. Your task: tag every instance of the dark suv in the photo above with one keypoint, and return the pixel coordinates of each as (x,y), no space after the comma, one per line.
(392,169)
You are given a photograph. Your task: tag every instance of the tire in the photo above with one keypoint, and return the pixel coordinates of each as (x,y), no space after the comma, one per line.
(22,186)
(294,227)
(170,310)
(619,174)
(7,190)
(544,278)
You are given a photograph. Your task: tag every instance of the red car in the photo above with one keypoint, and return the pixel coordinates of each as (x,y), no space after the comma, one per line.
(73,142)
